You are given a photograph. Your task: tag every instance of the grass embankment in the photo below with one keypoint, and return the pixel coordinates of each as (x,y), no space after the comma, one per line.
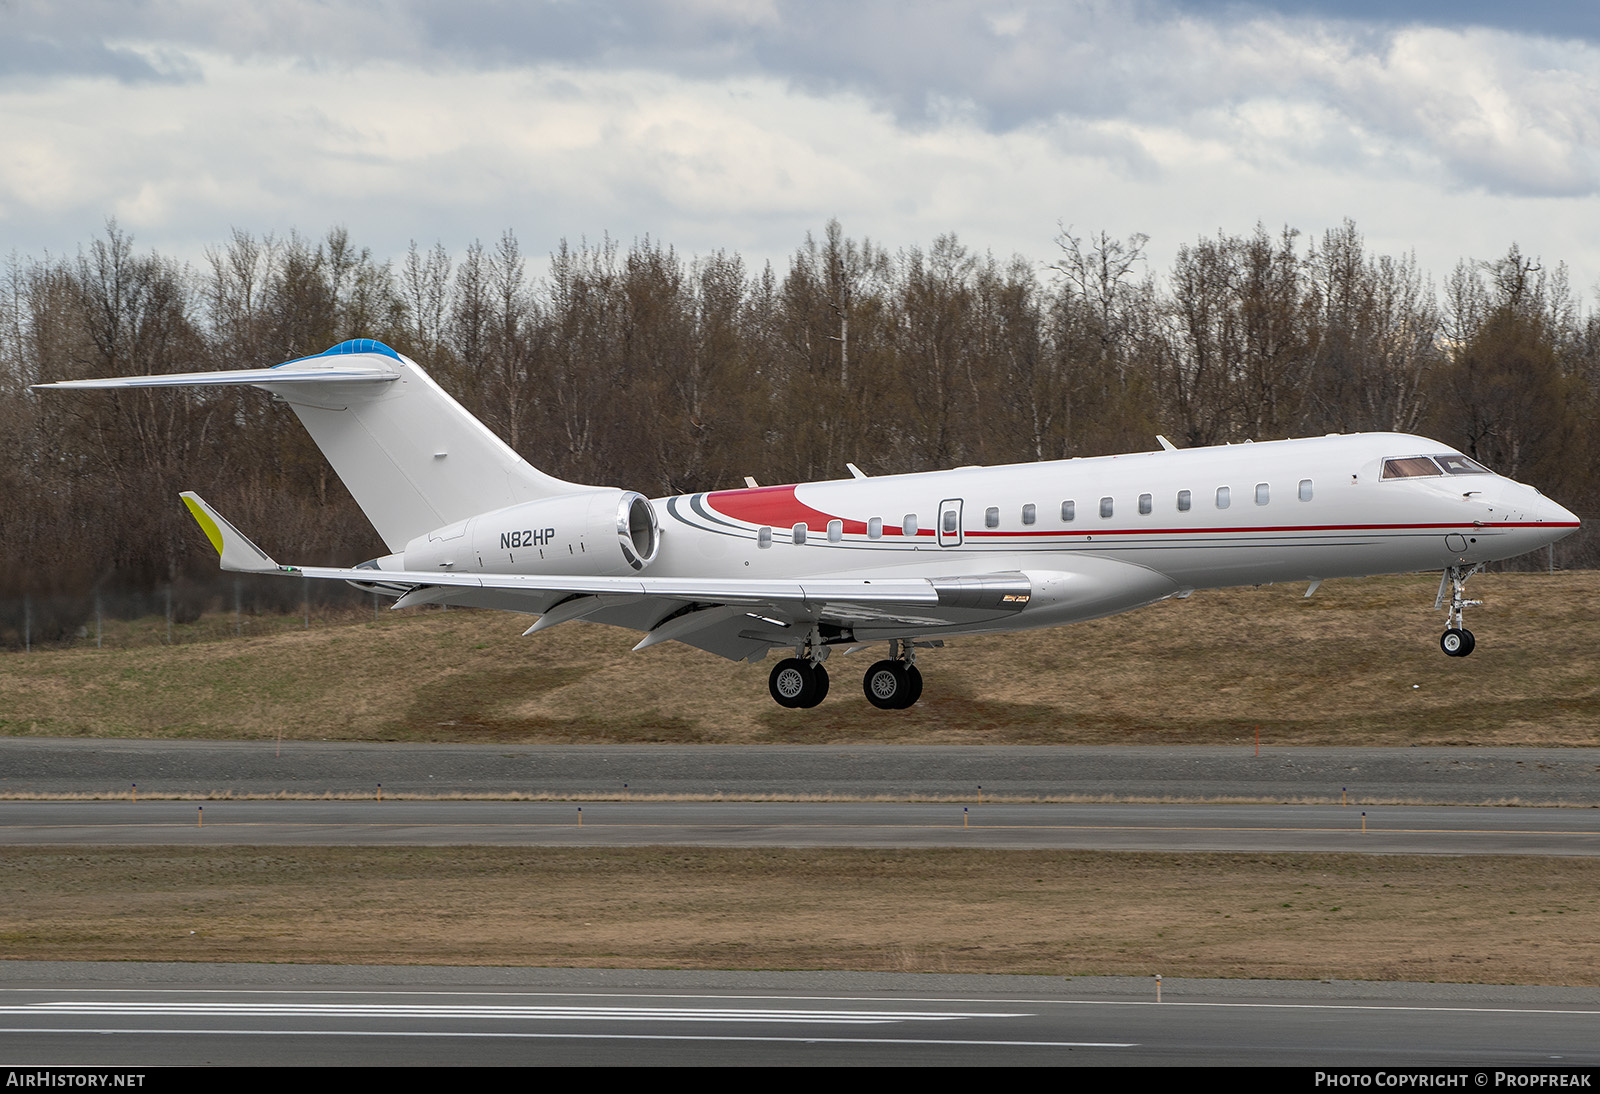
(1358,663)
(1468,919)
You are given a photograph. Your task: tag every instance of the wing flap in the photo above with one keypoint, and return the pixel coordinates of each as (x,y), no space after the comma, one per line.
(728,591)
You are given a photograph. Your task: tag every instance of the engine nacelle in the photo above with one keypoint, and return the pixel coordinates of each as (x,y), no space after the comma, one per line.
(598,533)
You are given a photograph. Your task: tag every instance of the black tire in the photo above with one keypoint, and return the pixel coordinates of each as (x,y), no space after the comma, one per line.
(819,685)
(914,679)
(1456,642)
(792,683)
(892,685)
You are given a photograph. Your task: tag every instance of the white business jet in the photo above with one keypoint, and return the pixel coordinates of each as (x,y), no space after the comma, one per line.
(904,560)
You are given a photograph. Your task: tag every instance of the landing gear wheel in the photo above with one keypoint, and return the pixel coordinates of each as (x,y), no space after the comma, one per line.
(790,682)
(886,685)
(1457,642)
(892,685)
(798,683)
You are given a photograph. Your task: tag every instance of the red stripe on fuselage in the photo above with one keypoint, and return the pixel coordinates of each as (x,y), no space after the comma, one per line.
(1200,530)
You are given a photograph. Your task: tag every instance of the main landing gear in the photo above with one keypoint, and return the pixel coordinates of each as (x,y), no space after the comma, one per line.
(1456,641)
(892,684)
(798,682)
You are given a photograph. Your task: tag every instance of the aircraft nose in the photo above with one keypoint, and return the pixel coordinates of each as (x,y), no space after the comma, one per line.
(1560,520)
(1539,520)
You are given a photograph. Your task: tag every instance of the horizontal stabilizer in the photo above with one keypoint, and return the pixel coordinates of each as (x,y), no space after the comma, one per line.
(238,553)
(293,373)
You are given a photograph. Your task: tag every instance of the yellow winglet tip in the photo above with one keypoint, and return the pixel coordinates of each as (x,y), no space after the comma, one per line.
(197,510)
(234,549)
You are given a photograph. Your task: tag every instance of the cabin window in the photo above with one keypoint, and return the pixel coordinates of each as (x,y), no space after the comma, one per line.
(1305,489)
(1029,514)
(1146,503)
(799,532)
(908,524)
(949,522)
(1223,497)
(1263,493)
(991,517)
(835,531)
(764,536)
(1105,507)
(1183,501)
(875,528)
(1068,511)
(1409,467)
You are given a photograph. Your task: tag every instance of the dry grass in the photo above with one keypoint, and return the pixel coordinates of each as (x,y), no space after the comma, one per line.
(1356,664)
(1472,919)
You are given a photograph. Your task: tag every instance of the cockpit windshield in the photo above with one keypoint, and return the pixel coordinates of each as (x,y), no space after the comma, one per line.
(1410,467)
(1416,467)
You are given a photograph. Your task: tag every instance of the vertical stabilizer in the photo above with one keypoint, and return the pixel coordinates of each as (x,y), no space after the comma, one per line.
(412,456)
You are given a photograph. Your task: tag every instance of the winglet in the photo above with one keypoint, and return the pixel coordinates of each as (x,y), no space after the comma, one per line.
(237,552)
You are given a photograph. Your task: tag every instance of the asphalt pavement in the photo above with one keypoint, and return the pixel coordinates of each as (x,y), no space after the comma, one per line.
(1106,826)
(1443,776)
(132,1016)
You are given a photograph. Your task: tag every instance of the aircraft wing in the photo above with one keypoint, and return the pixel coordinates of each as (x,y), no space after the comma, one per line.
(737,618)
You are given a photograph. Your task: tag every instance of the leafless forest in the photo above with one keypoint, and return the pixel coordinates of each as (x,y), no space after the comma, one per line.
(636,366)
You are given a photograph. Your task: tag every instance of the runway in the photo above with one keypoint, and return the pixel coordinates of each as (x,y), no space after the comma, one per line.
(142,1017)
(1106,826)
(149,1015)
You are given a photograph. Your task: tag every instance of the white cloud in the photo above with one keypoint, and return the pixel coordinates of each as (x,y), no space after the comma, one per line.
(743,125)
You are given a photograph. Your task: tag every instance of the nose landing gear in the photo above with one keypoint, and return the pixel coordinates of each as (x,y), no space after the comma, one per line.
(1456,641)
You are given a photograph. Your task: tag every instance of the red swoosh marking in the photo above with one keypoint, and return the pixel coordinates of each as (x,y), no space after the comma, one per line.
(778,507)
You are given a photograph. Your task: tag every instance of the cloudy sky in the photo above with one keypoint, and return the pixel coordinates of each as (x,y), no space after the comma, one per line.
(1448,128)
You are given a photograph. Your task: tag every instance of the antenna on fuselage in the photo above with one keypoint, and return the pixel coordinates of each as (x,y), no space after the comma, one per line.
(1166,444)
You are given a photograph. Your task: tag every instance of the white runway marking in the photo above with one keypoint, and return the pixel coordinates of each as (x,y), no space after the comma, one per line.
(541,1012)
